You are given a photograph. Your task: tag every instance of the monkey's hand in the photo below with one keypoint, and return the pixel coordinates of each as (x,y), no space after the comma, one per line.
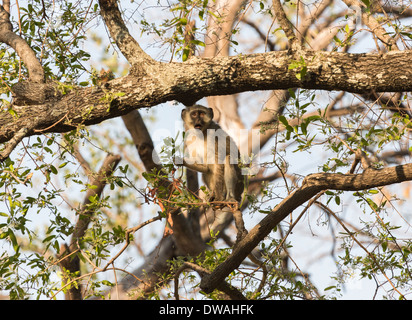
(178,161)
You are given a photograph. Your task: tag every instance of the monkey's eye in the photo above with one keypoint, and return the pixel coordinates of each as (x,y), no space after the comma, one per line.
(201,114)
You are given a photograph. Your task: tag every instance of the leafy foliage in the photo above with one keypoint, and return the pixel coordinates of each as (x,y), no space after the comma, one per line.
(44,185)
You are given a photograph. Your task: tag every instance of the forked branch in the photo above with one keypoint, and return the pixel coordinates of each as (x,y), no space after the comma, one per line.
(311,185)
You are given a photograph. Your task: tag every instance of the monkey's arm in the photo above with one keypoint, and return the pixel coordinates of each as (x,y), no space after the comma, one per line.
(203,168)
(197,167)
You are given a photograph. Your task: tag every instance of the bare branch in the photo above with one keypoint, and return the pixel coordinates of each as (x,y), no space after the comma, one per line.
(311,185)
(72,264)
(142,140)
(7,36)
(231,291)
(286,25)
(373,24)
(218,33)
(312,16)
(98,183)
(120,34)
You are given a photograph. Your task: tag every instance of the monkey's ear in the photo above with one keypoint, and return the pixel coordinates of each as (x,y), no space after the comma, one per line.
(183,113)
(210,113)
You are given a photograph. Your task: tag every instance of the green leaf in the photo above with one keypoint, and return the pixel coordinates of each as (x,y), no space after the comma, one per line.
(13,240)
(366,2)
(303,72)
(53,169)
(107,283)
(303,127)
(198,43)
(47,239)
(330,288)
(337,200)
(292,93)
(409,35)
(294,65)
(283,120)
(185,55)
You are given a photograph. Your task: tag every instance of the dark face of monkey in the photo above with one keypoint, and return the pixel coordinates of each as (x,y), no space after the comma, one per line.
(197,117)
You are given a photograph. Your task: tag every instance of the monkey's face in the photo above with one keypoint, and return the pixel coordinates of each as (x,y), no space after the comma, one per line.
(197,117)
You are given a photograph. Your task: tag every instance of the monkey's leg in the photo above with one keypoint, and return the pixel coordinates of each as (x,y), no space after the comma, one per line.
(215,183)
(240,226)
(230,177)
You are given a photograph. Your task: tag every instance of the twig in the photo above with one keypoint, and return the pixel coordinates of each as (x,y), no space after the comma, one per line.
(54,124)
(232,292)
(351,234)
(128,232)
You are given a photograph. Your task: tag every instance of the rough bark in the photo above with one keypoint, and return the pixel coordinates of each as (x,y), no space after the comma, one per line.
(197,78)
(150,83)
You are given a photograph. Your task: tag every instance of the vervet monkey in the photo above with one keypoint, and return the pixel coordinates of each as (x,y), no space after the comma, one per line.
(211,151)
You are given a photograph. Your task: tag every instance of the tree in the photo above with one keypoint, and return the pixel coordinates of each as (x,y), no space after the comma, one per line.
(327,97)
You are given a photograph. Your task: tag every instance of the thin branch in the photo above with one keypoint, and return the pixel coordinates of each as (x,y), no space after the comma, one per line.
(97,185)
(7,36)
(127,242)
(6,5)
(373,258)
(96,189)
(311,185)
(373,24)
(311,18)
(231,291)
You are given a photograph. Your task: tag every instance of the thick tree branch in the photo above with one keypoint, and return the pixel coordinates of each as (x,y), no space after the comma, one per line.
(198,78)
(217,41)
(219,31)
(311,185)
